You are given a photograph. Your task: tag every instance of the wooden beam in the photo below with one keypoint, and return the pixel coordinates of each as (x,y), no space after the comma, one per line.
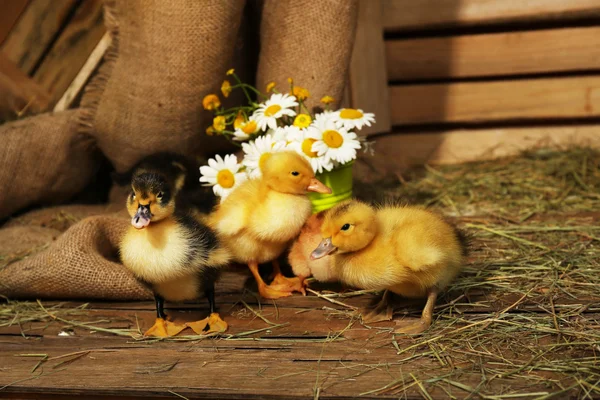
(71,49)
(400,151)
(83,76)
(400,15)
(368,77)
(19,94)
(11,11)
(35,31)
(512,53)
(547,99)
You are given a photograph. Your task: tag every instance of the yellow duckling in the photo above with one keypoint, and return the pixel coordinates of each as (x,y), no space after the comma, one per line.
(406,250)
(167,246)
(259,218)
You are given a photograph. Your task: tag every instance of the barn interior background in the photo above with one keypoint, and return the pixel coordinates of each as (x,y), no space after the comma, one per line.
(454,84)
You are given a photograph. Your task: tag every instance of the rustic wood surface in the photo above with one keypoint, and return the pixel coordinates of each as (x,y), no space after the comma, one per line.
(396,152)
(498,54)
(34,32)
(401,15)
(19,94)
(546,99)
(298,347)
(11,11)
(368,76)
(71,49)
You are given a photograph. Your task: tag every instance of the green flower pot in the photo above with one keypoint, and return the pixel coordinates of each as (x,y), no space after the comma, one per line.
(340,182)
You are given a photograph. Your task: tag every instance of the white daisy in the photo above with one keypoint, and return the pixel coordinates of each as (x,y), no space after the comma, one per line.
(325,116)
(270,111)
(302,143)
(333,143)
(350,118)
(244,129)
(286,134)
(222,174)
(255,153)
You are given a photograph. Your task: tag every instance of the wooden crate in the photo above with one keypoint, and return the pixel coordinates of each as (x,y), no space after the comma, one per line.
(460,80)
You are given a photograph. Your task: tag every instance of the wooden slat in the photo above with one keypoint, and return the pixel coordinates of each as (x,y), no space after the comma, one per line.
(11,11)
(368,77)
(400,151)
(72,49)
(512,53)
(19,94)
(401,15)
(573,97)
(83,76)
(34,32)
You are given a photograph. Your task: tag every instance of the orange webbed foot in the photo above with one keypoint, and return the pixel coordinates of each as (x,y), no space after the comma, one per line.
(211,324)
(412,327)
(163,328)
(295,284)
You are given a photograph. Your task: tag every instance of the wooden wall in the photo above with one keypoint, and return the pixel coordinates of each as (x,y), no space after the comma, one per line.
(458,80)
(44,45)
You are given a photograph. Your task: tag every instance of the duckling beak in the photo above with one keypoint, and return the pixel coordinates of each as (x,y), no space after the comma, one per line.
(316,186)
(141,219)
(324,248)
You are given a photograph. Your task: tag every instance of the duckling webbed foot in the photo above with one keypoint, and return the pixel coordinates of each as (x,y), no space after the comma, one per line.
(415,328)
(283,283)
(163,328)
(266,291)
(382,312)
(211,324)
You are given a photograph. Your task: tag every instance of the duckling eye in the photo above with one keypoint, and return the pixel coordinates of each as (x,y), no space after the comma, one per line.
(132,196)
(160,195)
(295,173)
(345,227)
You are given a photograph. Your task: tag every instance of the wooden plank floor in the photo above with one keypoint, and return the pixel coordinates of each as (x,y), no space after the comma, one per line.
(497,340)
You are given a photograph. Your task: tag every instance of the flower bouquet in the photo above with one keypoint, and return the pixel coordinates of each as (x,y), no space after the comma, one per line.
(278,121)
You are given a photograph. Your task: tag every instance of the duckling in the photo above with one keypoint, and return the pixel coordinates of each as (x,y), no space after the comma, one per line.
(406,250)
(299,258)
(258,219)
(167,246)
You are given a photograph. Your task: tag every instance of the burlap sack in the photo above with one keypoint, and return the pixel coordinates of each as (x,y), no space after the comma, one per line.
(166,55)
(43,159)
(82,263)
(309,41)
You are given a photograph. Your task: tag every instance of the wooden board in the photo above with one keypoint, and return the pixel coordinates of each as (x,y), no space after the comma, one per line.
(19,94)
(399,15)
(547,99)
(72,49)
(396,152)
(368,77)
(511,53)
(11,11)
(35,31)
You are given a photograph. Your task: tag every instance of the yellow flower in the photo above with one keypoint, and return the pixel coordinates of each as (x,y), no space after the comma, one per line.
(270,86)
(226,88)
(230,71)
(210,131)
(239,120)
(290,81)
(300,93)
(327,99)
(211,102)
(219,123)
(302,121)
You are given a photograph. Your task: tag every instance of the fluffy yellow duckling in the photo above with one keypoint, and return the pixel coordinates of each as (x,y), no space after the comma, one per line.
(406,250)
(299,258)
(259,218)
(167,246)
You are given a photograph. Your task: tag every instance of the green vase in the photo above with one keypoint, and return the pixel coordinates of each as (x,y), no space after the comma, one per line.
(340,182)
